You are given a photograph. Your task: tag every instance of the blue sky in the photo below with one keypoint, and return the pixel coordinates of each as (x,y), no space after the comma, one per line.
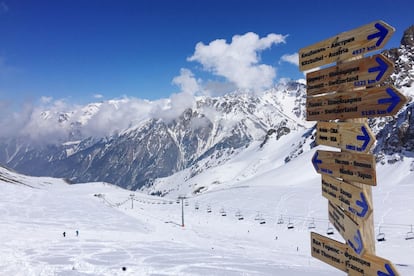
(90,50)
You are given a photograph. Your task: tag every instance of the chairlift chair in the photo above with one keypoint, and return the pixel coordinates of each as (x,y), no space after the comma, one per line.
(410,234)
(380,236)
(208,209)
(238,215)
(312,224)
(280,220)
(258,216)
(330,230)
(262,221)
(290,225)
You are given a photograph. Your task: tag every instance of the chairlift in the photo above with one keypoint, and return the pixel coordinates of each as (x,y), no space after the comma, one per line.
(262,221)
(290,225)
(410,234)
(239,216)
(208,209)
(280,220)
(177,201)
(196,206)
(330,230)
(258,216)
(186,203)
(312,224)
(380,236)
(222,212)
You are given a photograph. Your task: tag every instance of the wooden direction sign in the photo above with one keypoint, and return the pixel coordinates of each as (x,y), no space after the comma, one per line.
(348,136)
(374,102)
(346,45)
(358,167)
(348,228)
(347,196)
(339,256)
(368,71)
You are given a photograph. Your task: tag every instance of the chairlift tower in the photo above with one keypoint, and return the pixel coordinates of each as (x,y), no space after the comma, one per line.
(132,200)
(182,197)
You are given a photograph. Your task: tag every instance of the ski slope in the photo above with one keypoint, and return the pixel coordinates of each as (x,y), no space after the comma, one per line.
(121,235)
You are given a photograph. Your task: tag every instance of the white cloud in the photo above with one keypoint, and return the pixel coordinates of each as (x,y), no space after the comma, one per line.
(293,58)
(98,96)
(46,99)
(239,61)
(187,82)
(50,121)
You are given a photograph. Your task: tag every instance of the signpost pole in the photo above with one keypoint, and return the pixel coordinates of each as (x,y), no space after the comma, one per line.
(340,93)
(366,224)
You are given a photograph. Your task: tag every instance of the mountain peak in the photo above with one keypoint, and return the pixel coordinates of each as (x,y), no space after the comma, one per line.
(408,37)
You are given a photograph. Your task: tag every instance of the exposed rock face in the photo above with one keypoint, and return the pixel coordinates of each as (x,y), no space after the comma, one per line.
(408,37)
(214,129)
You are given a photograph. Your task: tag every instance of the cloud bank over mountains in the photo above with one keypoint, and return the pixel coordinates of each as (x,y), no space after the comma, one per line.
(237,62)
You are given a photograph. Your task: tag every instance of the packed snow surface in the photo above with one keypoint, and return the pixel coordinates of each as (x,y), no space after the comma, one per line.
(121,233)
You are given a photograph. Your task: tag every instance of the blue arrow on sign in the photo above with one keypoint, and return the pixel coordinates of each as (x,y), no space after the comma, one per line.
(358,240)
(365,137)
(363,203)
(393,101)
(316,161)
(381,34)
(389,270)
(381,68)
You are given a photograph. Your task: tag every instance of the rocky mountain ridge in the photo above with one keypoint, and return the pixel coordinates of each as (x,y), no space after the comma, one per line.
(208,134)
(154,148)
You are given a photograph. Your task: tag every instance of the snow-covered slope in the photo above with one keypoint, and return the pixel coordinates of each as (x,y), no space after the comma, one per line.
(145,236)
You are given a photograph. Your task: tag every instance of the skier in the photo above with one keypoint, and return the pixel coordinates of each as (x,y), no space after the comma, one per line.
(64,234)
(77,233)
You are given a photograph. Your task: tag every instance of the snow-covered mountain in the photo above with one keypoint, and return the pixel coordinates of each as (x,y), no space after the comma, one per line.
(143,147)
(158,147)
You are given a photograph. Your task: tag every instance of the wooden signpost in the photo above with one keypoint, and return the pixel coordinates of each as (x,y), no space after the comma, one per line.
(347,196)
(341,257)
(347,227)
(349,75)
(349,90)
(346,45)
(348,136)
(374,102)
(349,166)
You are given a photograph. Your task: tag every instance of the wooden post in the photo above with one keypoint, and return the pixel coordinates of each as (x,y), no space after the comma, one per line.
(366,224)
